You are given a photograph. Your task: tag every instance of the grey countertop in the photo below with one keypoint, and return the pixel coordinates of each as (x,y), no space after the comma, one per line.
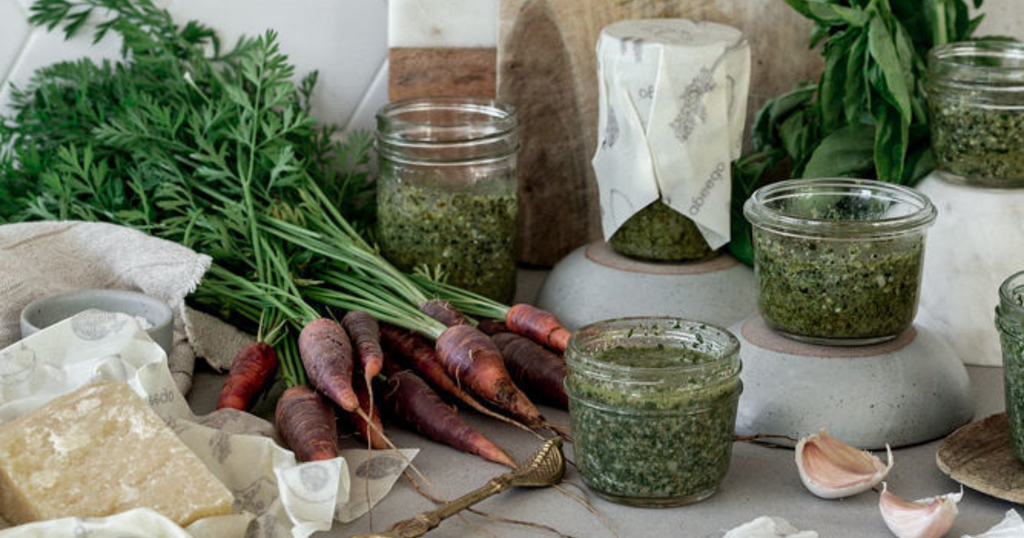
(760,481)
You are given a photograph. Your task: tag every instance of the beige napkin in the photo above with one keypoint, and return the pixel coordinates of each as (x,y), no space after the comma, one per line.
(40,258)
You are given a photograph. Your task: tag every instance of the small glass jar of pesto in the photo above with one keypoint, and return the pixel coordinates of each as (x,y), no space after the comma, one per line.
(838,261)
(660,233)
(446,190)
(975,95)
(652,403)
(1010,323)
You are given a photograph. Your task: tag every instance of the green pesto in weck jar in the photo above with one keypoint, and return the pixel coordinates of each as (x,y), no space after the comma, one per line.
(838,261)
(660,233)
(976,109)
(446,190)
(652,402)
(1010,323)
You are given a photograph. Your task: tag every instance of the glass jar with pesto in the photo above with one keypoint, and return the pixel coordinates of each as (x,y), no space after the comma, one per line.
(660,233)
(975,95)
(652,403)
(838,261)
(1010,323)
(446,190)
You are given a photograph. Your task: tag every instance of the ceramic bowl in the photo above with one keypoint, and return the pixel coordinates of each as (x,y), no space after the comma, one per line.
(46,311)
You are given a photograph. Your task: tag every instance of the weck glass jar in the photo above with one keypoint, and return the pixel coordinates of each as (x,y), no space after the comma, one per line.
(652,402)
(446,193)
(1010,323)
(838,261)
(660,233)
(975,95)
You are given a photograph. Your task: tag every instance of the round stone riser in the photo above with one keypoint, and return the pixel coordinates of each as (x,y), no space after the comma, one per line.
(593,284)
(907,391)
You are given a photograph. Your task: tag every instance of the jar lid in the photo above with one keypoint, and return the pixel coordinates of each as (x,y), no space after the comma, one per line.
(990,65)
(839,208)
(452,130)
(720,348)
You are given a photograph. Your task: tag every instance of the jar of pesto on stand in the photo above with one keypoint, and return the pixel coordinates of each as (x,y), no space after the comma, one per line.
(446,193)
(652,402)
(1010,323)
(976,105)
(838,261)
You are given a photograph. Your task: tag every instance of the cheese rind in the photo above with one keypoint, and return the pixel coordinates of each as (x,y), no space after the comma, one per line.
(98,451)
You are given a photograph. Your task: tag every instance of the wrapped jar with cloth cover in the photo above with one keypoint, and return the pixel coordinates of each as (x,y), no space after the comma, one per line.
(673,95)
(446,190)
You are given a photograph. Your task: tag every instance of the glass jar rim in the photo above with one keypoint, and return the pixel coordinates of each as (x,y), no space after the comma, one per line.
(729,351)
(762,215)
(1011,292)
(500,116)
(956,63)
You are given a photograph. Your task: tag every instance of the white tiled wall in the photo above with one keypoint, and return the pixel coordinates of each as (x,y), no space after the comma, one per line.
(345,39)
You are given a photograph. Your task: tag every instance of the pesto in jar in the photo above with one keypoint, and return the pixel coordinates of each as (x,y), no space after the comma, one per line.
(660,233)
(1010,322)
(978,144)
(656,443)
(822,289)
(469,236)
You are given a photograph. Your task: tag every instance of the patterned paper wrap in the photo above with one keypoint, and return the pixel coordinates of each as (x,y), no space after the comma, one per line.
(673,100)
(275,497)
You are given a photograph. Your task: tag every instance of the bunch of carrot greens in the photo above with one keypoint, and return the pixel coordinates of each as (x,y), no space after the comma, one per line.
(215,149)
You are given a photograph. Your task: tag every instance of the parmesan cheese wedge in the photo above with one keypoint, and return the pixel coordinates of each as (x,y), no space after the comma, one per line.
(98,451)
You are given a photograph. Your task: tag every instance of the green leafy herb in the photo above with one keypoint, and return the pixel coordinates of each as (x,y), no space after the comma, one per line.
(866,116)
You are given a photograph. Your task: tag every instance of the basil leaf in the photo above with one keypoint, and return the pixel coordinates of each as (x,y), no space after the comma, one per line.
(893,86)
(795,132)
(892,133)
(854,103)
(777,110)
(830,94)
(848,151)
(835,15)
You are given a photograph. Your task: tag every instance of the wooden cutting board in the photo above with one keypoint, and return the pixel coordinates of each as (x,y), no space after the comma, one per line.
(546,67)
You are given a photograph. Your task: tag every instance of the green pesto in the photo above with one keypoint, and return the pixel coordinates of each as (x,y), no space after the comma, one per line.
(822,289)
(469,236)
(1011,335)
(981,145)
(657,444)
(660,233)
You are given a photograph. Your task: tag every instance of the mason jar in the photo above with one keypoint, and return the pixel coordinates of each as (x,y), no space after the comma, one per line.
(446,193)
(838,261)
(975,94)
(652,402)
(660,233)
(1010,323)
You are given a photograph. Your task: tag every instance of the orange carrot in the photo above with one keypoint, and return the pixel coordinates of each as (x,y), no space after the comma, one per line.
(539,372)
(306,423)
(472,359)
(412,400)
(365,334)
(539,325)
(362,427)
(444,312)
(327,355)
(251,368)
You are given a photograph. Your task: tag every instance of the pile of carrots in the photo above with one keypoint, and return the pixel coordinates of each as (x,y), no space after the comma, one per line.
(494,367)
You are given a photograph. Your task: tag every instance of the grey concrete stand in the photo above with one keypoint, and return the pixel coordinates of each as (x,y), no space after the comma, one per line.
(902,392)
(595,283)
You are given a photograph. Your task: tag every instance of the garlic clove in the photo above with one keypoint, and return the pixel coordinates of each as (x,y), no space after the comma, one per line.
(925,518)
(832,469)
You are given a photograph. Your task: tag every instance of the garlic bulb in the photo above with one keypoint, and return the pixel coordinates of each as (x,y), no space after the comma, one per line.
(925,518)
(832,469)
